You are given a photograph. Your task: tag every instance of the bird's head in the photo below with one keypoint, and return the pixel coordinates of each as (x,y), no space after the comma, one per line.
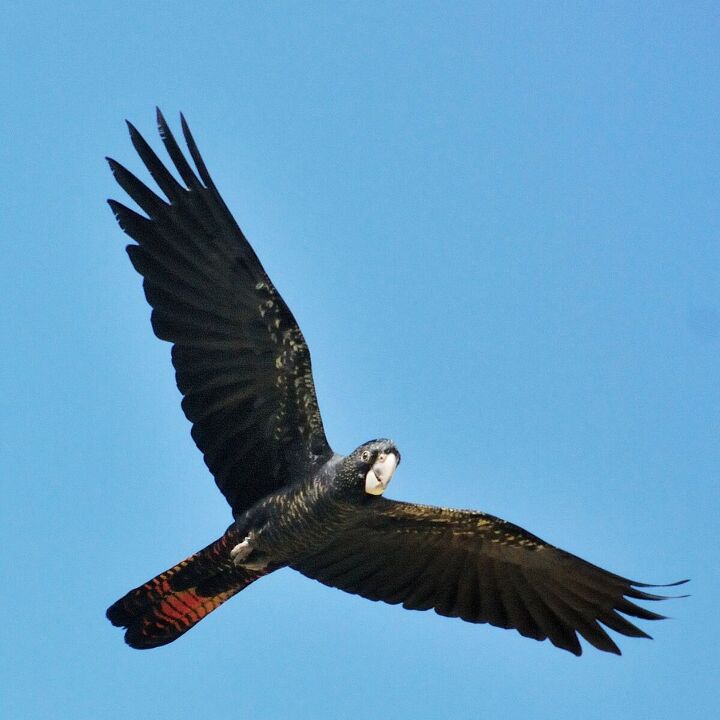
(373,465)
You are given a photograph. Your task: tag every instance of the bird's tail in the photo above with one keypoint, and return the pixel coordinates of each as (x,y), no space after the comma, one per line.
(167,606)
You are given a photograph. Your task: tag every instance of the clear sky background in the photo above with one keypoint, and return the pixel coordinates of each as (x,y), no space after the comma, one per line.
(526,194)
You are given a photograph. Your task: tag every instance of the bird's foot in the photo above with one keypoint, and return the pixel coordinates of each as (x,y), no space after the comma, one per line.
(241,551)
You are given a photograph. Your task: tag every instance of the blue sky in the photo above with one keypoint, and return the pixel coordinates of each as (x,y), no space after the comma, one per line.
(527,193)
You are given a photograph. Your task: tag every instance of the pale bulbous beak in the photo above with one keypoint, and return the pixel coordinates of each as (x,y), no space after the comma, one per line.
(379,476)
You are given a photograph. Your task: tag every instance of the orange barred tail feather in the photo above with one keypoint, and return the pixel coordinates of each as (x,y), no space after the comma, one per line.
(167,606)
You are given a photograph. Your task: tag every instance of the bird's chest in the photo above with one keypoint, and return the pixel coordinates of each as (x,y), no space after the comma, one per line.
(295,524)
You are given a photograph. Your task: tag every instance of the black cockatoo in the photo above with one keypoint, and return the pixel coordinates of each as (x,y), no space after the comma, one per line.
(243,369)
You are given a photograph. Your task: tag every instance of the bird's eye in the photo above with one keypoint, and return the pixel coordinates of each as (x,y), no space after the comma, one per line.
(381,457)
(365,455)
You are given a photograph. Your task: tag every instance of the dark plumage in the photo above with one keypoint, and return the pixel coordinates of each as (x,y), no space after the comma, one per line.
(244,370)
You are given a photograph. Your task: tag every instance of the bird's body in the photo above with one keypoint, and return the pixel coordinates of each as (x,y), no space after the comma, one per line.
(304,517)
(244,370)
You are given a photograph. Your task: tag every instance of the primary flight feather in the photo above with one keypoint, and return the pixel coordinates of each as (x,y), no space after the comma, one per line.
(244,370)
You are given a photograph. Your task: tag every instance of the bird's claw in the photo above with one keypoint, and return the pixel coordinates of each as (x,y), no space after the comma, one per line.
(241,551)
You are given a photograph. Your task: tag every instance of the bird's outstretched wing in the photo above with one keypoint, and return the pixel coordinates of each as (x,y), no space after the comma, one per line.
(482,569)
(241,361)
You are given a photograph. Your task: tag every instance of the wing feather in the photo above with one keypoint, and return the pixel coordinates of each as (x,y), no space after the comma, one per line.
(482,569)
(241,361)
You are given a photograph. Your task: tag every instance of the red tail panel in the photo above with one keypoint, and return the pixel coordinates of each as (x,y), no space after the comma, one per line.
(167,606)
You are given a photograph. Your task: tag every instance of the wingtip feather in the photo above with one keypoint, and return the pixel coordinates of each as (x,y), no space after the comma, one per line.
(160,120)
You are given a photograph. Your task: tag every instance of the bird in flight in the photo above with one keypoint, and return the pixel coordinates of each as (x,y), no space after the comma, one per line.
(243,368)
